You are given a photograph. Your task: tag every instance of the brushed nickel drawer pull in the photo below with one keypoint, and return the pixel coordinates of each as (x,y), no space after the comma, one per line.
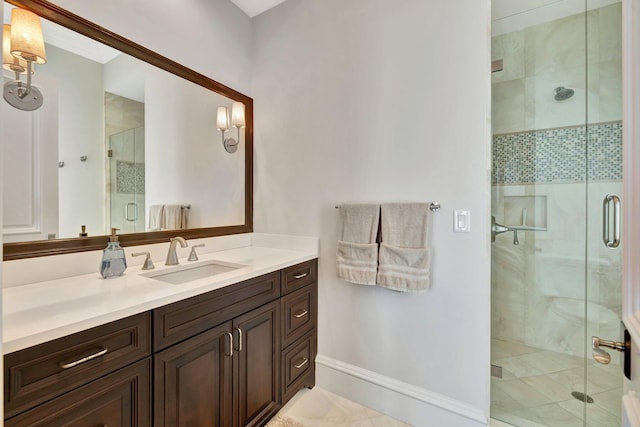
(300,276)
(101,352)
(301,314)
(301,364)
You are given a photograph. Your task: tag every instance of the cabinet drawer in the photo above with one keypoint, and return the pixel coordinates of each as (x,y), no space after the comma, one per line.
(299,275)
(299,311)
(298,366)
(181,320)
(42,372)
(122,398)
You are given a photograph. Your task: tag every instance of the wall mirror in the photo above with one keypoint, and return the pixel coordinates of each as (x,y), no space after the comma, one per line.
(125,138)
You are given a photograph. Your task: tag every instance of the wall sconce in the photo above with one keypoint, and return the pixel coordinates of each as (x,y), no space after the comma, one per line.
(22,47)
(237,121)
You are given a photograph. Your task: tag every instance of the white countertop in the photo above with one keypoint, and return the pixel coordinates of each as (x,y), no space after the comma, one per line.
(38,312)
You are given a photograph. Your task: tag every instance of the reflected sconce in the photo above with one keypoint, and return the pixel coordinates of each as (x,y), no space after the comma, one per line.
(237,121)
(22,47)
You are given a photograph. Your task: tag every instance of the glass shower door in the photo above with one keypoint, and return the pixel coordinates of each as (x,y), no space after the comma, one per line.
(556,155)
(126,189)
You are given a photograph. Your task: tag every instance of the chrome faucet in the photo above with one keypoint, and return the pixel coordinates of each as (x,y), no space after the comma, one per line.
(172,256)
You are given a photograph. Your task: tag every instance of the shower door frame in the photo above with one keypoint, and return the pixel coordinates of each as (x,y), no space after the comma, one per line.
(631,205)
(630,182)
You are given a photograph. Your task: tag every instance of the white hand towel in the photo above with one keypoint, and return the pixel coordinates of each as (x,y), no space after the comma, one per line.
(357,254)
(155,217)
(172,217)
(404,257)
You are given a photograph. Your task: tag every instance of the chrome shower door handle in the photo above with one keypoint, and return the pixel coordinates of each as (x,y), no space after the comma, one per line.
(624,347)
(127,211)
(602,356)
(606,232)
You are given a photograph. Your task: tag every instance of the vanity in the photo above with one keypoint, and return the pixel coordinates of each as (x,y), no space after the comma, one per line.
(224,350)
(222,341)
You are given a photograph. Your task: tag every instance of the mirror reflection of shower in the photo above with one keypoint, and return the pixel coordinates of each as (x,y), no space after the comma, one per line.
(125,164)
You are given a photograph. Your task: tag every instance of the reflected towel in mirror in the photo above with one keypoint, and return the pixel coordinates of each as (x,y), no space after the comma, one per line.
(155,217)
(174,217)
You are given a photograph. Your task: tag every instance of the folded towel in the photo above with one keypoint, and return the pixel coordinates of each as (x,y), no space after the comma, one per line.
(357,262)
(155,217)
(404,258)
(403,269)
(174,217)
(357,254)
(405,224)
(359,222)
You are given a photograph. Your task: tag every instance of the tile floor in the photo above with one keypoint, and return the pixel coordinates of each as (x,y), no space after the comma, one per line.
(534,391)
(320,408)
(536,385)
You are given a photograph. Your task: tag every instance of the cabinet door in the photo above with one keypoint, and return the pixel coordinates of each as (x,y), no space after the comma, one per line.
(120,399)
(257,364)
(193,381)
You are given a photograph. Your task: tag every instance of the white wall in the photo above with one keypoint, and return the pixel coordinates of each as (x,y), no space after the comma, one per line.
(181,166)
(29,158)
(212,37)
(81,133)
(384,101)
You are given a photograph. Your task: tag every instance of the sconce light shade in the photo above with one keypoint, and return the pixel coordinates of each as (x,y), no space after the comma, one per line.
(237,121)
(27,41)
(237,115)
(222,121)
(10,62)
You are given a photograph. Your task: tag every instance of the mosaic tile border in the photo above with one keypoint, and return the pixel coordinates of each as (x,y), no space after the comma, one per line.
(559,155)
(129,177)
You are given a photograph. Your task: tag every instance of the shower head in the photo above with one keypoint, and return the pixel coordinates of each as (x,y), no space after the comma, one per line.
(562,93)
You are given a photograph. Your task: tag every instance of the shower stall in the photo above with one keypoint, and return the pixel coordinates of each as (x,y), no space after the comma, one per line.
(556,190)
(126,193)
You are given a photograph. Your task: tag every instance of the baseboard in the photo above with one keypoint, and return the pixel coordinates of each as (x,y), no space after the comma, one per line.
(400,400)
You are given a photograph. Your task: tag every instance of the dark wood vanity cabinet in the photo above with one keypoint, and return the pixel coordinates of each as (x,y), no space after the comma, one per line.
(119,399)
(228,358)
(299,328)
(225,376)
(58,375)
(193,381)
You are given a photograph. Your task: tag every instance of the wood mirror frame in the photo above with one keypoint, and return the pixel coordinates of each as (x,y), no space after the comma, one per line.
(80,25)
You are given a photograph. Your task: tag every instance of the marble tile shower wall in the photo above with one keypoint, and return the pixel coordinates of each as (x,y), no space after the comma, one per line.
(560,155)
(540,58)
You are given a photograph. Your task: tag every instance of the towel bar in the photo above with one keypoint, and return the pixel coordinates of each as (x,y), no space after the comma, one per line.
(433,207)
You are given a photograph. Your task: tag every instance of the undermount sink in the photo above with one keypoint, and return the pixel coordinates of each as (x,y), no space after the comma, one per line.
(187,273)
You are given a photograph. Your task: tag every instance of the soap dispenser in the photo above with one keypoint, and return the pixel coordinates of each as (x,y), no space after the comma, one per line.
(114,262)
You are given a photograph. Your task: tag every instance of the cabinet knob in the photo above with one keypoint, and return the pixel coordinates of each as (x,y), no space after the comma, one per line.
(300,276)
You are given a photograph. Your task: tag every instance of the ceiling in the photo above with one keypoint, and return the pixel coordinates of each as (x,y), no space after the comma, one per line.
(503,8)
(500,8)
(256,7)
